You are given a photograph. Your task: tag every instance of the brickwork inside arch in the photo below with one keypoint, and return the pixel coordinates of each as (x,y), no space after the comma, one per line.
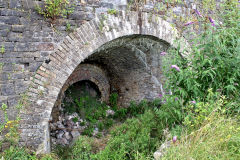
(88,72)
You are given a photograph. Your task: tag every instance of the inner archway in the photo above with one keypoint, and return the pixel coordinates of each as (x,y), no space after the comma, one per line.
(86,87)
(67,119)
(74,93)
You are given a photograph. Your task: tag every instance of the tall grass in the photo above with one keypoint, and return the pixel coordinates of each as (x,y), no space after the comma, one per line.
(217,138)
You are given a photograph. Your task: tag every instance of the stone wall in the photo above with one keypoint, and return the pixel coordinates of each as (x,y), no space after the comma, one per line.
(28,41)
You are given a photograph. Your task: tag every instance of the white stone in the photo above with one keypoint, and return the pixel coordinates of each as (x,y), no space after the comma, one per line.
(157,155)
(60,134)
(75,134)
(40,102)
(160,152)
(109,112)
(67,135)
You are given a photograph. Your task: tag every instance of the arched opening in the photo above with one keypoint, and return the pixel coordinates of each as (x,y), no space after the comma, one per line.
(68,118)
(129,66)
(85,44)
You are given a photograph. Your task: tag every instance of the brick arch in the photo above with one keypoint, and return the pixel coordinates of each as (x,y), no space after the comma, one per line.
(91,73)
(77,46)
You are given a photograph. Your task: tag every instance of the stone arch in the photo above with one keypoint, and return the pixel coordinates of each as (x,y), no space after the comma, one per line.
(91,73)
(76,47)
(86,72)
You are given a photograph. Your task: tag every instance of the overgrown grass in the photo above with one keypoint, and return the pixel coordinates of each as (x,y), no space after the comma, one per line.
(217,138)
(137,138)
(134,139)
(18,153)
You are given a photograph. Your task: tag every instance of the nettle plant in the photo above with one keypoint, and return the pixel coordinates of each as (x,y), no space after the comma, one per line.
(55,8)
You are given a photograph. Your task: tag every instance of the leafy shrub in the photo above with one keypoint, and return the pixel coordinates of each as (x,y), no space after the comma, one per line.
(132,110)
(121,113)
(55,8)
(170,113)
(132,137)
(213,61)
(198,112)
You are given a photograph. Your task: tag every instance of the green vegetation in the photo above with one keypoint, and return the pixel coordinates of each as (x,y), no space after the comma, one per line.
(141,137)
(55,8)
(16,153)
(113,100)
(2,51)
(112,12)
(89,108)
(207,85)
(134,139)
(218,137)
(68,27)
(10,127)
(94,113)
(213,63)
(1,66)
(102,22)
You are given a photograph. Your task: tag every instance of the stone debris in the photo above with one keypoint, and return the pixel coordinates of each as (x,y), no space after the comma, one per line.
(75,134)
(160,152)
(66,129)
(109,112)
(59,134)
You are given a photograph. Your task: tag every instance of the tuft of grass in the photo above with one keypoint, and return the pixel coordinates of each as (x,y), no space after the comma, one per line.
(16,153)
(2,49)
